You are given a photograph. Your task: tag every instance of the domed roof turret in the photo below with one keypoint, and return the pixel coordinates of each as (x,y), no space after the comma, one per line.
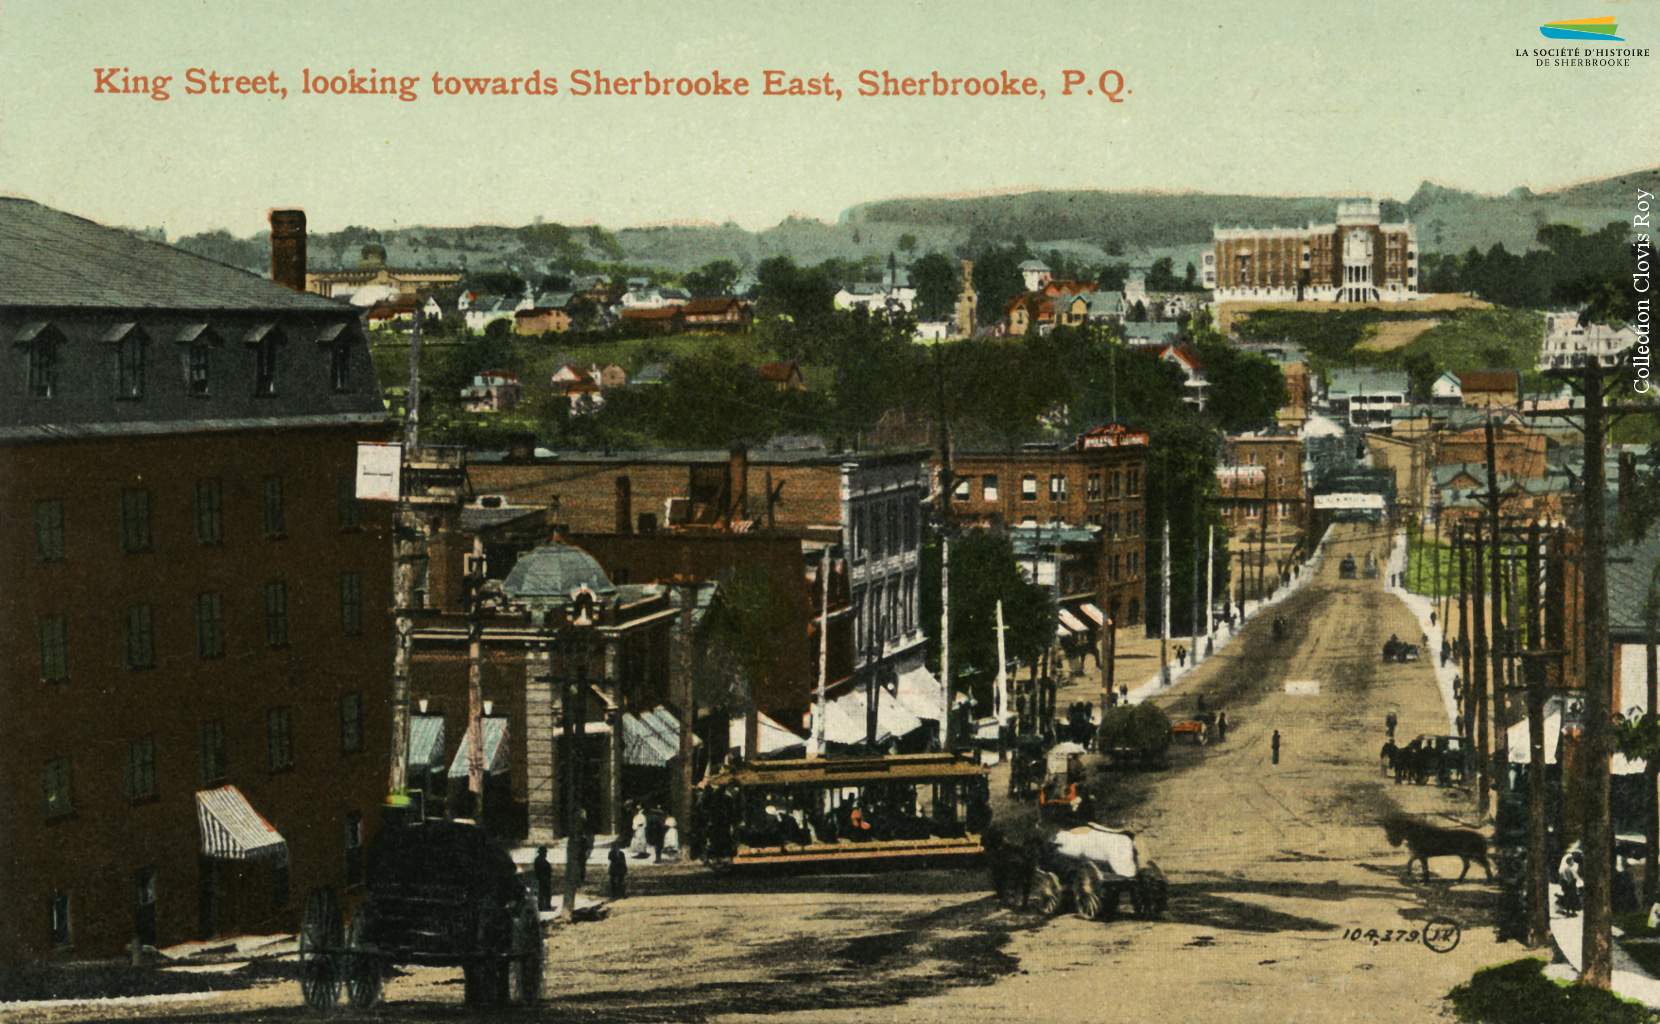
(552,572)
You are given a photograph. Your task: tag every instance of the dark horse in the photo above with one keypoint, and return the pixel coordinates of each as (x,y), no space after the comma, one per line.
(1424,841)
(1011,864)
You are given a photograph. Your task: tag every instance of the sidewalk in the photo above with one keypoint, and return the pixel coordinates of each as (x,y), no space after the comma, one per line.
(1421,606)
(1629,980)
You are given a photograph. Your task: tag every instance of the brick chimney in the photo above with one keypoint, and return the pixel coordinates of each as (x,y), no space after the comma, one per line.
(288,248)
(737,483)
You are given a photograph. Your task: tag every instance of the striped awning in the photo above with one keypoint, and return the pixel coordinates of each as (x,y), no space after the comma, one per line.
(232,829)
(426,741)
(1072,622)
(495,749)
(1093,613)
(650,740)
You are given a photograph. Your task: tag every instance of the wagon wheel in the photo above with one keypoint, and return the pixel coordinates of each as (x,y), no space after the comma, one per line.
(1108,897)
(365,971)
(1086,892)
(524,972)
(485,982)
(320,944)
(1046,888)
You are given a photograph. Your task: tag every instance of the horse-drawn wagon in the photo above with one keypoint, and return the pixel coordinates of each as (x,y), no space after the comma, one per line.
(441,893)
(1094,869)
(1346,568)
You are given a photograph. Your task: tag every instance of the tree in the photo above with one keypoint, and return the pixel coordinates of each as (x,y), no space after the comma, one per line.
(496,282)
(713,278)
(997,279)
(938,281)
(1246,389)
(984,571)
(907,243)
(784,289)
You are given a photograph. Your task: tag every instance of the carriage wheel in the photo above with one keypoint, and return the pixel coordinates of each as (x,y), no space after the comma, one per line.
(364,972)
(1086,892)
(485,982)
(320,944)
(1154,891)
(524,972)
(1046,888)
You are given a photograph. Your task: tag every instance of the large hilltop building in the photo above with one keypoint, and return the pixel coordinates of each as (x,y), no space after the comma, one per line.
(1356,258)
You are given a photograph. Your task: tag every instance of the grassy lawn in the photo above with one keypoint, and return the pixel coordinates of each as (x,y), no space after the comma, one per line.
(1422,556)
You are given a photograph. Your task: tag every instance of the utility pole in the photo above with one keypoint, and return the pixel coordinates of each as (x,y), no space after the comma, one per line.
(823,655)
(1479,660)
(1597,838)
(1501,737)
(1164,604)
(1533,673)
(1194,626)
(1210,581)
(475,683)
(945,639)
(406,531)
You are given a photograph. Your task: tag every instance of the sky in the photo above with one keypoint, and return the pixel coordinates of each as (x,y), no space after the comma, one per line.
(1248,97)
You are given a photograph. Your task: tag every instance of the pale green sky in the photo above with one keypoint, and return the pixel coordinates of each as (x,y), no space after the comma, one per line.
(1224,96)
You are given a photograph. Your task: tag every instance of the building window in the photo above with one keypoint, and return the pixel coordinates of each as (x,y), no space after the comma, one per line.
(276,737)
(876,530)
(340,367)
(265,365)
(910,602)
(1057,487)
(988,487)
(140,647)
(858,531)
(140,775)
(1132,524)
(276,614)
(351,603)
(198,374)
(210,747)
(62,936)
(43,365)
(351,723)
(209,520)
(960,491)
(49,530)
(54,783)
(351,510)
(210,626)
(896,539)
(1132,565)
(135,520)
(1252,509)
(1092,487)
(271,506)
(129,363)
(1028,488)
(54,649)
(1132,482)
(354,849)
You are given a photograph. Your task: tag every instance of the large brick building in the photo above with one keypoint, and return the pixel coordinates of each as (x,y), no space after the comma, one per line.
(194,636)
(1097,481)
(1355,258)
(1261,480)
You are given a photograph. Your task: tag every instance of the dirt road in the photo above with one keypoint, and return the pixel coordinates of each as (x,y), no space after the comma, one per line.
(1269,865)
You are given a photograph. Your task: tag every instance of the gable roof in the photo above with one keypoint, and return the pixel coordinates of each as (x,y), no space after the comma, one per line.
(57,260)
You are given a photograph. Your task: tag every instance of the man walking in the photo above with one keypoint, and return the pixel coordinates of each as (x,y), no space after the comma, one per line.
(1274,744)
(544,879)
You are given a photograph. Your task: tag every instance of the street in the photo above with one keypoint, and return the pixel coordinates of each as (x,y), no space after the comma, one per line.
(1270,866)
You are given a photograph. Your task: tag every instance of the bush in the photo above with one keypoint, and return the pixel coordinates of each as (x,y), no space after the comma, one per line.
(1519,993)
(1141,729)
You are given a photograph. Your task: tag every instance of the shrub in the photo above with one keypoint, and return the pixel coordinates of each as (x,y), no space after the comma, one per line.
(1519,993)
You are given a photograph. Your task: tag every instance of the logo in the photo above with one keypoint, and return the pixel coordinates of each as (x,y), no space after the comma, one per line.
(1595,29)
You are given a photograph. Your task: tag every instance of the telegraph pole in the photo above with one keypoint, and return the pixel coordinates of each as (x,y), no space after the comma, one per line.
(1533,672)
(1479,659)
(1501,738)
(1164,604)
(1597,838)
(406,531)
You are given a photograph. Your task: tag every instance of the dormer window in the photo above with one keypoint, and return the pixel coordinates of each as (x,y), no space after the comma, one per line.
(339,340)
(198,369)
(264,341)
(42,343)
(199,342)
(129,344)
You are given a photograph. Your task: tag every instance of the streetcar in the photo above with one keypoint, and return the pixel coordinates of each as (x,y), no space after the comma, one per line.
(816,811)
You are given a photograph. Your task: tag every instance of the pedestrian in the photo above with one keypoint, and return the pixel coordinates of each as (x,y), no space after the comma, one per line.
(1209,647)
(583,842)
(654,835)
(1181,656)
(1201,703)
(671,836)
(1389,723)
(1221,727)
(618,873)
(544,879)
(1432,618)
(1274,744)
(637,845)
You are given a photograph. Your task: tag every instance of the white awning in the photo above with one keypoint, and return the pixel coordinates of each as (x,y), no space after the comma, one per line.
(844,719)
(773,737)
(1072,622)
(921,693)
(495,749)
(1093,613)
(426,741)
(232,829)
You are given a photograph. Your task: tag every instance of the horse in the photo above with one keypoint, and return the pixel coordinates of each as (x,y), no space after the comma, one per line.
(1424,841)
(1012,865)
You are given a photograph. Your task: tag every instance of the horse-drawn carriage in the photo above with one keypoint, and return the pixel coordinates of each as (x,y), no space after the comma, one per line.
(1399,651)
(1093,869)
(1197,730)
(441,893)
(1282,629)
(1346,568)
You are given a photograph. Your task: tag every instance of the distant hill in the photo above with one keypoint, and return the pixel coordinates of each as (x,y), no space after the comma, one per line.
(1090,225)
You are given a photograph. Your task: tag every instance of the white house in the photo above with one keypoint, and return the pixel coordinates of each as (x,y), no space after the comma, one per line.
(1447,390)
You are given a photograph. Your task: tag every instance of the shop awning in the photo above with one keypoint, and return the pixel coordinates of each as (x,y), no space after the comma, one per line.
(774,738)
(1093,614)
(1072,622)
(232,829)
(495,749)
(844,720)
(651,739)
(426,741)
(921,694)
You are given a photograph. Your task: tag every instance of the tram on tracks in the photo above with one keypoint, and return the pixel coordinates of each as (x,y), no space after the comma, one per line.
(818,811)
